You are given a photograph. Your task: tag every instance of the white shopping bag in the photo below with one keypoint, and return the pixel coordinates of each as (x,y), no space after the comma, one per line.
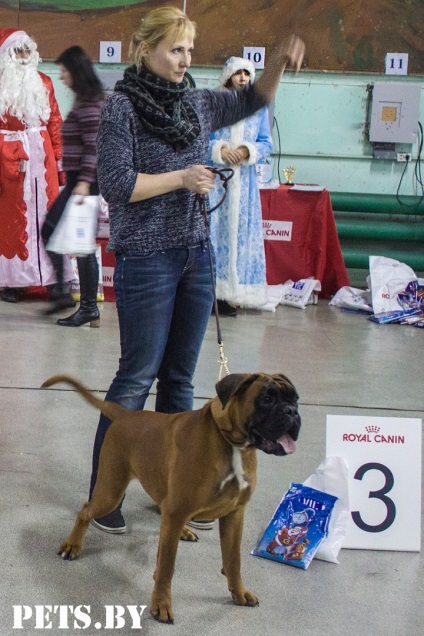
(300,293)
(76,231)
(388,278)
(331,477)
(352,298)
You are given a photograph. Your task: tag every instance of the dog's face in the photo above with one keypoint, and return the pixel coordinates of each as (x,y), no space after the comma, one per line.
(274,422)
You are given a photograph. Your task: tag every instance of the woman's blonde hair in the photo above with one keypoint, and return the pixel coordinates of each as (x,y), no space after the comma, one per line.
(156,26)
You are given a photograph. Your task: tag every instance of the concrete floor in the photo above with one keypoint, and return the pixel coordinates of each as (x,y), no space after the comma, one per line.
(341,363)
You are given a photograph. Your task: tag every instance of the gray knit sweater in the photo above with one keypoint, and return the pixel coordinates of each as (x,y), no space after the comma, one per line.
(125,148)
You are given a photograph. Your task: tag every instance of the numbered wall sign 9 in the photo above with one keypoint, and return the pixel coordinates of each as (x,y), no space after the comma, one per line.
(110,52)
(256,54)
(383,455)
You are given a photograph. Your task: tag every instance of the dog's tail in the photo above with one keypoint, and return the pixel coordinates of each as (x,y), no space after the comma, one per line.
(110,409)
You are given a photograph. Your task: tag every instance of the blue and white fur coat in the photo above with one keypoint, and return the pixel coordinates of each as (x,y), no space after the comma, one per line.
(236,226)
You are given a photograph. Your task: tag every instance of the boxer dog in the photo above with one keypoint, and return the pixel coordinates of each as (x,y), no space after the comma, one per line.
(198,464)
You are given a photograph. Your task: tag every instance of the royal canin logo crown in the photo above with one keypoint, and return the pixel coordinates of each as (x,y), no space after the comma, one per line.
(372,429)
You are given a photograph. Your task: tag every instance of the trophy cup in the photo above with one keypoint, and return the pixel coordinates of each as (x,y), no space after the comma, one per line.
(289,174)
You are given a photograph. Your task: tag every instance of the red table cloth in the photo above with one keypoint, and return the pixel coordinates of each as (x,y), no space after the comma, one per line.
(300,238)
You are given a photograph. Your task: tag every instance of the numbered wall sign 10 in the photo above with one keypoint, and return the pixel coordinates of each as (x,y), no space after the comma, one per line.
(110,52)
(256,54)
(383,455)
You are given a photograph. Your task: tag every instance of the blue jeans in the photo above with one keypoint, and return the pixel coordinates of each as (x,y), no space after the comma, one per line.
(164,301)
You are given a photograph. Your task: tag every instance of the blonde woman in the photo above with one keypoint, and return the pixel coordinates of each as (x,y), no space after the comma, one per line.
(152,152)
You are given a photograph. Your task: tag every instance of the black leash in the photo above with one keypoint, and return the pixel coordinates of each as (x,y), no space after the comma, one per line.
(225,174)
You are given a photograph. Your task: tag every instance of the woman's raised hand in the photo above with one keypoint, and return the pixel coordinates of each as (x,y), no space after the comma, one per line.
(295,52)
(288,53)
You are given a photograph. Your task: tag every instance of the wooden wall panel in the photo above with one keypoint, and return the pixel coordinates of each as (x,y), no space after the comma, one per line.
(340,35)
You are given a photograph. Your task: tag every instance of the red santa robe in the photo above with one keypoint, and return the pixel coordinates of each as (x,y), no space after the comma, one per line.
(28,186)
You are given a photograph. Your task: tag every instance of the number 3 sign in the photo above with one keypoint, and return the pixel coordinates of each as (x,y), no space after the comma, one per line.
(383,455)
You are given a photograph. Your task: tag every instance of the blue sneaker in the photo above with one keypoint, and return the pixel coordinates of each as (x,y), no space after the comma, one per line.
(114,523)
(201,525)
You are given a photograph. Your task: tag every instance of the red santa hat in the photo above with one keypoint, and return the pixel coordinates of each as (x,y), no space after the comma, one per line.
(234,64)
(10,37)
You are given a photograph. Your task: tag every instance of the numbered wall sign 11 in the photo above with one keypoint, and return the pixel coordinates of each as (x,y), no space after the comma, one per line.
(110,52)
(397,63)
(383,455)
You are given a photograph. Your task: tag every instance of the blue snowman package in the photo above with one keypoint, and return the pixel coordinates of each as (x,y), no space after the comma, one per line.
(298,527)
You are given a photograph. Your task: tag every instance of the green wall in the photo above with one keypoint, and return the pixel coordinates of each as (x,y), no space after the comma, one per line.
(321,119)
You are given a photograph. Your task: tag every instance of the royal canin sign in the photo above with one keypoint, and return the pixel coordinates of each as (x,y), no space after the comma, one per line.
(277,230)
(372,435)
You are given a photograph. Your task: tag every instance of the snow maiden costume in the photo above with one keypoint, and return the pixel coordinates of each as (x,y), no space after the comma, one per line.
(236,226)
(30,151)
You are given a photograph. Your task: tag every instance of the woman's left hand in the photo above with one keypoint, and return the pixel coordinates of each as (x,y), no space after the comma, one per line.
(82,189)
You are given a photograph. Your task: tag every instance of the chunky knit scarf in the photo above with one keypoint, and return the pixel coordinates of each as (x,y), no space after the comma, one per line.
(159,105)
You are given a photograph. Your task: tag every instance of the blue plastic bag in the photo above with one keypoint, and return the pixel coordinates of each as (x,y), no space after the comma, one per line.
(298,527)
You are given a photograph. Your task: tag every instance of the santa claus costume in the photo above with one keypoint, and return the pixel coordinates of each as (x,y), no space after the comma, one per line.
(30,154)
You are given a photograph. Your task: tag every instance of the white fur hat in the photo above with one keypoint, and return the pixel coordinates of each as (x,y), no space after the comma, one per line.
(11,37)
(234,64)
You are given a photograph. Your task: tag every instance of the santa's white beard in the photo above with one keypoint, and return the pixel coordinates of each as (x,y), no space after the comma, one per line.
(22,91)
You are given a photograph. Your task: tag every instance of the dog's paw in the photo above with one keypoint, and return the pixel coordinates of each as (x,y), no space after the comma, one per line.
(69,551)
(244,597)
(162,612)
(162,617)
(188,535)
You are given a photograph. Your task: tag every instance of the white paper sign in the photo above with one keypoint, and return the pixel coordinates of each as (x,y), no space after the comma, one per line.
(256,54)
(107,276)
(383,455)
(277,230)
(110,52)
(397,63)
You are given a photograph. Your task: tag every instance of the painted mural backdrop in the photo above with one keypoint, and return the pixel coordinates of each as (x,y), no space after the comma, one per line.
(340,35)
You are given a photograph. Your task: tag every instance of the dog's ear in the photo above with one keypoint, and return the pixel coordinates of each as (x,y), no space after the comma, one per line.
(230,384)
(283,379)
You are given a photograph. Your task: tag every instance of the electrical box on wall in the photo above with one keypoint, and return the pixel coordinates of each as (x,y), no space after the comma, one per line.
(394,112)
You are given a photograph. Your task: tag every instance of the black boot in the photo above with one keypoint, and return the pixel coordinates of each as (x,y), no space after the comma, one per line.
(10,295)
(225,309)
(59,292)
(88,271)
